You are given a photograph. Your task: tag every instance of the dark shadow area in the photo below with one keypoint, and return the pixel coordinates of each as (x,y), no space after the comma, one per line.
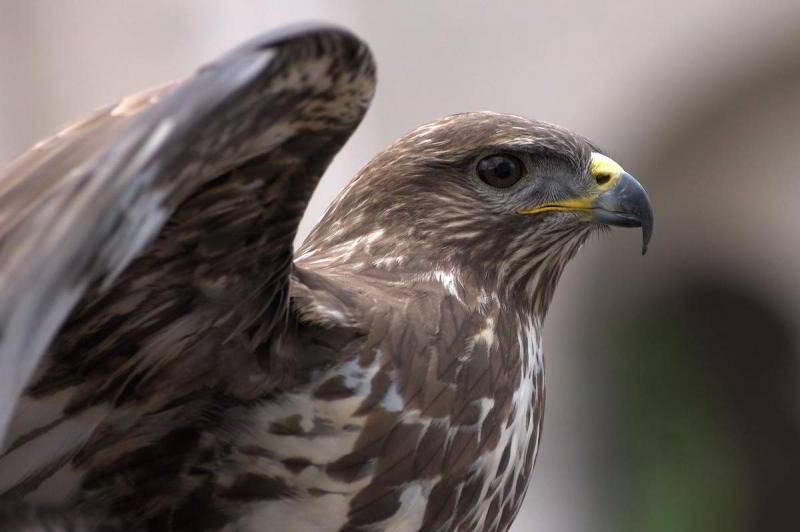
(705,413)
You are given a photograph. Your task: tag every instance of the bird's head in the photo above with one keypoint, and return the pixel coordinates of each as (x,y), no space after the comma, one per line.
(501,195)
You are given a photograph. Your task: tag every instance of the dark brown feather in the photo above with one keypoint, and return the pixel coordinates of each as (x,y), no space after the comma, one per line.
(241,145)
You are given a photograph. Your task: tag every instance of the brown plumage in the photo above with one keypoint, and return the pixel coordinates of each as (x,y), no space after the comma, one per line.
(168,365)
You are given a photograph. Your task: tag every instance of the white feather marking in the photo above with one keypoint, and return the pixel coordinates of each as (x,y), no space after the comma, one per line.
(486,335)
(485,404)
(326,447)
(243,74)
(520,431)
(306,254)
(389,261)
(144,219)
(326,513)
(413,502)
(392,401)
(328,313)
(134,103)
(153,143)
(447,279)
(341,253)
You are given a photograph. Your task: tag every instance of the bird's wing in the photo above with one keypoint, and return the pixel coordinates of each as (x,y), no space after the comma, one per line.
(236,150)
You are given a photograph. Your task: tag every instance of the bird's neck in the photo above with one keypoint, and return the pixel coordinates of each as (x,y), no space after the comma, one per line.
(522,275)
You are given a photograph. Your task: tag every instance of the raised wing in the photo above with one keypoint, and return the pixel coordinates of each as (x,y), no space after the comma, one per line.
(171,214)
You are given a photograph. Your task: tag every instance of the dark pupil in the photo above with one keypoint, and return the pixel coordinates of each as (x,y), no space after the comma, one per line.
(500,170)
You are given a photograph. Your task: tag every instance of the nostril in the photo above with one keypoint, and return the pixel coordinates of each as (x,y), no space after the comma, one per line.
(602,179)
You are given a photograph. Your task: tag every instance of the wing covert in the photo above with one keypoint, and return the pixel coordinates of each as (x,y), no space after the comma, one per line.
(209,178)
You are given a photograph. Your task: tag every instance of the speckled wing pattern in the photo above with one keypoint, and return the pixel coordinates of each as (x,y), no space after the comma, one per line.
(76,210)
(181,371)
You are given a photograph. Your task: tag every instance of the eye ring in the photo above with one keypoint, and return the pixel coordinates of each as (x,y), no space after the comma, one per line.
(500,170)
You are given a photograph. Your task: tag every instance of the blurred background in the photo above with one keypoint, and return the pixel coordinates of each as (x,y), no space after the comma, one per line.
(673,399)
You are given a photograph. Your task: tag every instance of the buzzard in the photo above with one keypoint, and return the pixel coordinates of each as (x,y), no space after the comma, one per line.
(169,363)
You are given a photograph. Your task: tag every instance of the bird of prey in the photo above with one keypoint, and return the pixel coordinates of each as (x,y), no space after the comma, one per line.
(169,363)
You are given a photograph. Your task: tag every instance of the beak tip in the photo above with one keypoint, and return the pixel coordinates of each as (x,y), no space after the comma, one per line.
(626,205)
(647,232)
(647,226)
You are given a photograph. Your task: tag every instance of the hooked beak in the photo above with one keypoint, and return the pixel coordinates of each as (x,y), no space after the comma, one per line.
(617,199)
(625,204)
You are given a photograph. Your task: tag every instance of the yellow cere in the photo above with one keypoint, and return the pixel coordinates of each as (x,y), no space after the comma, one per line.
(599,166)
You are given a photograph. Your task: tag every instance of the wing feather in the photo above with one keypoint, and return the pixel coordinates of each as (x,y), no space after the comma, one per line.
(203,183)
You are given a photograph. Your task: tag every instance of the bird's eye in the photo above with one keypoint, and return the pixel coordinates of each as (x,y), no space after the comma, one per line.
(500,170)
